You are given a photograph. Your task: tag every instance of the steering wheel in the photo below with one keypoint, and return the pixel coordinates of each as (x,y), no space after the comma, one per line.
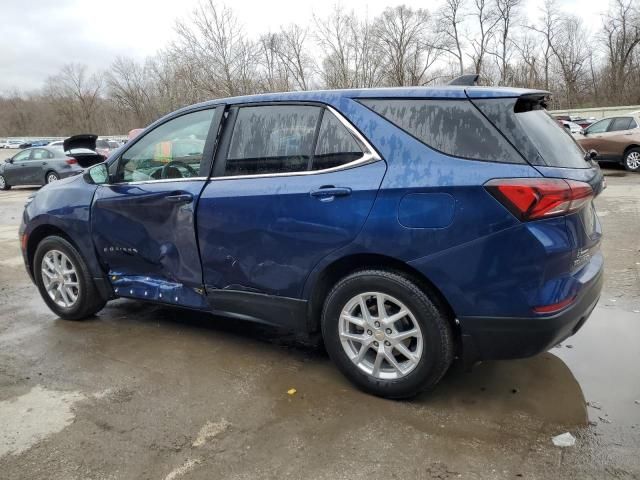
(175,163)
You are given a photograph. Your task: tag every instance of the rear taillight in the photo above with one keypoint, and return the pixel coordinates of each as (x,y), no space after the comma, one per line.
(535,198)
(71,161)
(555,307)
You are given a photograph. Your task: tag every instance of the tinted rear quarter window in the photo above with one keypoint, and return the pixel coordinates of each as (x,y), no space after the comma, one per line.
(534,133)
(336,146)
(453,127)
(620,123)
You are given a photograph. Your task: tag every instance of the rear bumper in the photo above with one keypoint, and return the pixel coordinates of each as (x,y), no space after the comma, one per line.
(505,338)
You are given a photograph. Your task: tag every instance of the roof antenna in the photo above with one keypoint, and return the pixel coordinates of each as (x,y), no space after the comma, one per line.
(465,80)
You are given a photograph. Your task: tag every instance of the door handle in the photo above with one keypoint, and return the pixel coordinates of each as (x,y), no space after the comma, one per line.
(179,198)
(328,193)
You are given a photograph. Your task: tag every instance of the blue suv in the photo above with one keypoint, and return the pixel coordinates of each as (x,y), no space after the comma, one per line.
(407,226)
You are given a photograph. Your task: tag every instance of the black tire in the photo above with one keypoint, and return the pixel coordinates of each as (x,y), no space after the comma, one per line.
(437,336)
(632,156)
(89,301)
(50,174)
(3,183)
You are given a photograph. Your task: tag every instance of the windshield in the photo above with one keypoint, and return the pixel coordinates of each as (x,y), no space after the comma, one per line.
(535,134)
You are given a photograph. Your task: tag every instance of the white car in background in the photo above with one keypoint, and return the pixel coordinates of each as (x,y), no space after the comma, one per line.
(11,144)
(573,128)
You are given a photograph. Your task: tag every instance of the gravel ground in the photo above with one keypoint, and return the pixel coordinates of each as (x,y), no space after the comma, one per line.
(150,392)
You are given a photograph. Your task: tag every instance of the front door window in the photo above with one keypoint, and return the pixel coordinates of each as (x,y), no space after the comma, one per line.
(173,150)
(599,127)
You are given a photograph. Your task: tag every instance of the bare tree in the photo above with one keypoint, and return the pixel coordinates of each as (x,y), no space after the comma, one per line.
(486,20)
(129,87)
(273,74)
(212,57)
(572,54)
(548,28)
(448,26)
(350,57)
(507,11)
(294,56)
(406,49)
(621,32)
(213,45)
(526,68)
(75,95)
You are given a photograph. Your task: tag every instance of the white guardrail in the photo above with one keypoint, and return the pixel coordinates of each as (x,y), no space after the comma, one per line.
(598,113)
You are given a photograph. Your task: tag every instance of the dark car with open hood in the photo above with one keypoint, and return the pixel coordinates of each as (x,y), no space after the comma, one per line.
(42,165)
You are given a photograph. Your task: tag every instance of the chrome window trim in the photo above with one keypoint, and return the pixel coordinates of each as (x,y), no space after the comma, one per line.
(369,155)
(159,180)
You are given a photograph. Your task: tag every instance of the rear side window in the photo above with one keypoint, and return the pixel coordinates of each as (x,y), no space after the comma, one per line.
(536,135)
(39,154)
(453,127)
(336,146)
(621,123)
(272,139)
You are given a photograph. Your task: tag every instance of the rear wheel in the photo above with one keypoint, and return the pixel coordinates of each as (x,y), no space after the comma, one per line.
(64,281)
(3,183)
(51,177)
(385,334)
(632,160)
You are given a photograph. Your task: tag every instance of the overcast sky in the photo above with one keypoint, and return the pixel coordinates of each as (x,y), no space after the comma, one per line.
(39,36)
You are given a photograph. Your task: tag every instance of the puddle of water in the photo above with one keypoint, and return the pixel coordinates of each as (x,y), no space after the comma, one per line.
(605,357)
(32,417)
(541,387)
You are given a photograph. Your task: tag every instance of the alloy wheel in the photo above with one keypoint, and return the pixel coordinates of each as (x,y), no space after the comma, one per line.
(380,335)
(60,278)
(633,160)
(3,183)
(52,177)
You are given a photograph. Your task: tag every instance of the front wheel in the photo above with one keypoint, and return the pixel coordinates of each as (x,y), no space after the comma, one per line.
(385,334)
(64,281)
(632,160)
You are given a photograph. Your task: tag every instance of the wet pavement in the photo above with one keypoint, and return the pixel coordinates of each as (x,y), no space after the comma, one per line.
(144,391)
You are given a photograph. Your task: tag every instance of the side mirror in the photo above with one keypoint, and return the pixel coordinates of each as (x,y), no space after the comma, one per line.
(8,160)
(590,155)
(97,175)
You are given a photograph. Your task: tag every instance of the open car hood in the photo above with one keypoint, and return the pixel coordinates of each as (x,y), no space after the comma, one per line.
(85,140)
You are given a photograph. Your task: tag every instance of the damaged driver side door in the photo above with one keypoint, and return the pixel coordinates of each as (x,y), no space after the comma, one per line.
(142,220)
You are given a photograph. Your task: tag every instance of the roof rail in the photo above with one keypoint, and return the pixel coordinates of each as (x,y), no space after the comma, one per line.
(465,80)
